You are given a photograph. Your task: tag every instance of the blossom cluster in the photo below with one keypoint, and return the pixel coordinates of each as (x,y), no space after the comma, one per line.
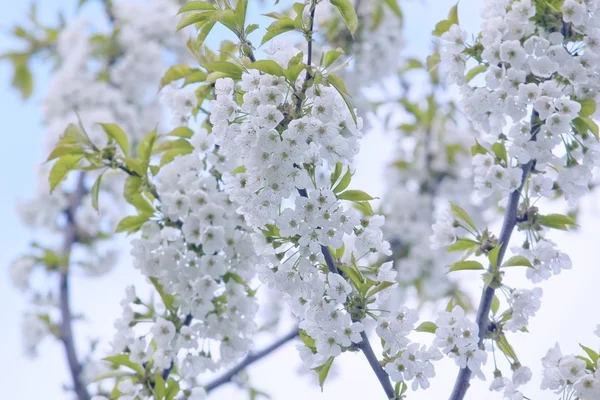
(201,255)
(570,375)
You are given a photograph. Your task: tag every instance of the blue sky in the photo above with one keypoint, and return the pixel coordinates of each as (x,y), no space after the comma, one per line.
(566,315)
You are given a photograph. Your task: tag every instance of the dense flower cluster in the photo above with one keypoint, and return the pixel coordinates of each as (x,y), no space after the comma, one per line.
(530,64)
(279,193)
(457,336)
(571,375)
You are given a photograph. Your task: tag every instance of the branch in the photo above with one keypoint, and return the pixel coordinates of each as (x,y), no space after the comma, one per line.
(70,238)
(462,384)
(250,359)
(364,345)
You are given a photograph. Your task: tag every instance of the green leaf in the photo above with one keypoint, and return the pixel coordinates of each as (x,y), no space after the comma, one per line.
(441,28)
(517,261)
(251,28)
(227,18)
(338,84)
(556,221)
(277,28)
(466,266)
(194,18)
(123,360)
(364,207)
(232,70)
(331,56)
(204,30)
(268,66)
(592,126)
(500,151)
(132,224)
(159,386)
(337,171)
(462,214)
(588,107)
(433,61)
(145,150)
(62,167)
(182,131)
(172,389)
(62,149)
(462,244)
(493,255)
(194,77)
(173,144)
(166,298)
(393,4)
(495,305)
(196,6)
(380,287)
(115,132)
(323,370)
(344,182)
(23,80)
(477,148)
(354,195)
(174,73)
(352,273)
(473,72)
(132,187)
(346,10)
(307,340)
(111,374)
(591,353)
(240,12)
(588,362)
(505,347)
(134,165)
(453,15)
(427,326)
(96,190)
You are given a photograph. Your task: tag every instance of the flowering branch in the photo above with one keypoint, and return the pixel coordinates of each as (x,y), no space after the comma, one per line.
(70,238)
(251,358)
(462,384)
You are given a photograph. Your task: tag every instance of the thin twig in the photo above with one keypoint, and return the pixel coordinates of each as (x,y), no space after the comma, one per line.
(70,238)
(250,359)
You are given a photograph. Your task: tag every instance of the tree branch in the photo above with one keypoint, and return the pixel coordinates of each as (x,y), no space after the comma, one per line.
(462,383)
(250,359)
(70,238)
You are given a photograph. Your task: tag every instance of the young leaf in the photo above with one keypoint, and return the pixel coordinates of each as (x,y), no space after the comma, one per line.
(462,244)
(557,221)
(182,131)
(196,6)
(588,107)
(114,131)
(427,326)
(146,149)
(517,261)
(193,18)
(123,360)
(462,214)
(466,266)
(132,224)
(323,370)
(277,28)
(240,13)
(174,73)
(453,15)
(346,10)
(95,191)
(495,305)
(62,167)
(591,353)
(344,182)
(268,67)
(354,195)
(493,255)
(393,4)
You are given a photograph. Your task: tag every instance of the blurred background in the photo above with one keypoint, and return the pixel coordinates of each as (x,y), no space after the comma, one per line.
(569,313)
